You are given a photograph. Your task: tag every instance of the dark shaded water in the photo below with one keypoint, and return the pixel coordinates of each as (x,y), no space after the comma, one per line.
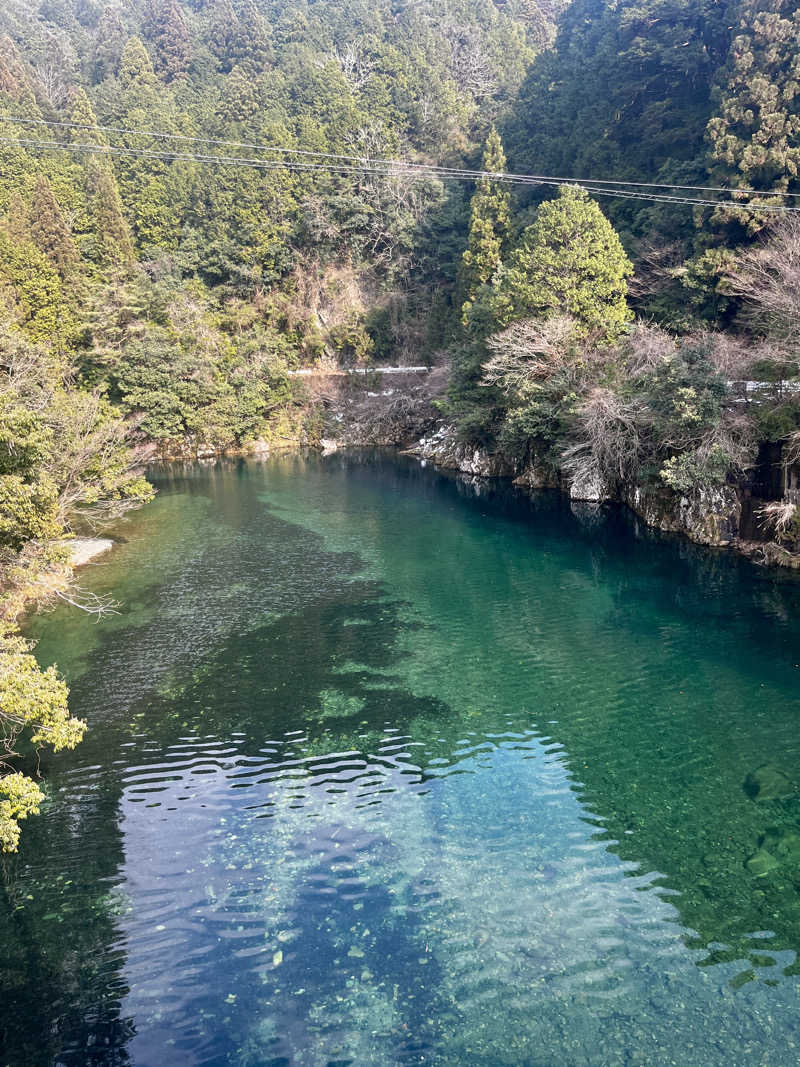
(384,771)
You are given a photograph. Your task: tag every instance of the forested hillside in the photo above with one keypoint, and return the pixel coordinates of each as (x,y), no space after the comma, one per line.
(194,201)
(699,94)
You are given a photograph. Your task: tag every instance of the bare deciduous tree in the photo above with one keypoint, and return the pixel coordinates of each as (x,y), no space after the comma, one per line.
(767,278)
(777,515)
(470,67)
(527,350)
(657,264)
(609,436)
(354,64)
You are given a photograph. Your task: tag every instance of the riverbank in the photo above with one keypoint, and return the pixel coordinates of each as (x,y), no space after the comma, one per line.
(406,419)
(717,517)
(389,409)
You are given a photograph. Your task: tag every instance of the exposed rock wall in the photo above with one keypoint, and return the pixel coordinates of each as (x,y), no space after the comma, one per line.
(707,517)
(443,448)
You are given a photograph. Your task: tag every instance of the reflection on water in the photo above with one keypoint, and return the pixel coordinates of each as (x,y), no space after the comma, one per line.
(385,767)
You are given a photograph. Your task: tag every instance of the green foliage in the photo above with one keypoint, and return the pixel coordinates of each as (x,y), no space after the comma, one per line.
(20,797)
(489,223)
(696,470)
(754,135)
(25,441)
(30,287)
(569,261)
(49,230)
(28,511)
(63,452)
(33,704)
(627,92)
(110,243)
(650,411)
(777,421)
(169,34)
(219,398)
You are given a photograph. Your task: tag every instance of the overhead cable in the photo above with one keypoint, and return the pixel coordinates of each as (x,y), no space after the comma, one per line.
(387,168)
(254,146)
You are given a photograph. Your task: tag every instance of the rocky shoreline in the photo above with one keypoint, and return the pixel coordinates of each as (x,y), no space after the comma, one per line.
(405,417)
(711,517)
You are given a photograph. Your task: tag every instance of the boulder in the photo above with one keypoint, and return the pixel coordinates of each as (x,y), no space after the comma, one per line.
(768,782)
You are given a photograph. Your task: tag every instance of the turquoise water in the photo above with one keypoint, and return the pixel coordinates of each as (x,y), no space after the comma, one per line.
(388,768)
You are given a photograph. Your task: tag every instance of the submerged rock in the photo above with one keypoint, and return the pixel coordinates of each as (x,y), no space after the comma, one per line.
(784,844)
(84,549)
(778,848)
(768,782)
(537,477)
(762,863)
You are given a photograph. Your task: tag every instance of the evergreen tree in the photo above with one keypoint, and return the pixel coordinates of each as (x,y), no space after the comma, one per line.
(49,230)
(82,114)
(242,38)
(488,226)
(626,94)
(239,104)
(570,261)
(254,46)
(755,137)
(18,167)
(136,74)
(34,286)
(88,186)
(13,81)
(112,244)
(169,34)
(109,41)
(223,33)
(151,189)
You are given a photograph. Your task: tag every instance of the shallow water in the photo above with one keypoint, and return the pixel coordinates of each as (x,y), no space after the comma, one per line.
(386,769)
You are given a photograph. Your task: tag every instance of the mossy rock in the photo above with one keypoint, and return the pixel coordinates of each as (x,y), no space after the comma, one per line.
(779,847)
(762,863)
(768,782)
(784,844)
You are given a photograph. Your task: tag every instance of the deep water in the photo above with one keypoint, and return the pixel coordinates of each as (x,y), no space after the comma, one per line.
(386,768)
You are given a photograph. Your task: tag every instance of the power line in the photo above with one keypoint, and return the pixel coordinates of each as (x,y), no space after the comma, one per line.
(449,171)
(389,169)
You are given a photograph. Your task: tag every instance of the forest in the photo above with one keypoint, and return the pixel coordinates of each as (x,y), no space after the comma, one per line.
(188,214)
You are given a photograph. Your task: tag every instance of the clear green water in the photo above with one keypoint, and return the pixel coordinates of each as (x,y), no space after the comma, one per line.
(383,769)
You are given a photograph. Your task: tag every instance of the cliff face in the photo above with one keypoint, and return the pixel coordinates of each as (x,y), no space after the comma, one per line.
(706,516)
(443,448)
(710,516)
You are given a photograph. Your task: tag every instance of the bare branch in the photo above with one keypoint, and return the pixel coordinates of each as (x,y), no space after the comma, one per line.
(92,603)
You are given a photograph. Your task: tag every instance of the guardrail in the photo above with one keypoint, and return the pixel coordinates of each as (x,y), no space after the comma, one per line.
(307,372)
(745,391)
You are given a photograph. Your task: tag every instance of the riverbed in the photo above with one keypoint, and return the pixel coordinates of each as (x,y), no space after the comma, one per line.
(386,766)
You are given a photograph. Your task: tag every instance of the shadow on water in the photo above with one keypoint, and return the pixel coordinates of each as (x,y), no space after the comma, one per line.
(323,675)
(62,978)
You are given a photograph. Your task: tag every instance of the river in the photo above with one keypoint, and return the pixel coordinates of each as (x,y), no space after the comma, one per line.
(388,768)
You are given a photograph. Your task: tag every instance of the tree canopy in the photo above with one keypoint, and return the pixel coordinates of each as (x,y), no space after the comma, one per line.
(568,261)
